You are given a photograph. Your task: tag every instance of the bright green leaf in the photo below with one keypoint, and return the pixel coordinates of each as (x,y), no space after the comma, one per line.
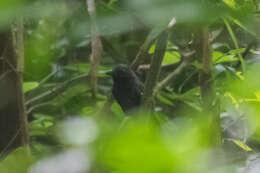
(27,86)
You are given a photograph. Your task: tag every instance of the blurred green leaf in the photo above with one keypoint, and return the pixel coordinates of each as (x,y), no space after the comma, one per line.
(241,145)
(19,160)
(171,57)
(219,57)
(165,100)
(27,86)
(117,110)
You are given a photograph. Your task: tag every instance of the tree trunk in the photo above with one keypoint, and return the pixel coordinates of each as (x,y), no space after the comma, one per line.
(13,131)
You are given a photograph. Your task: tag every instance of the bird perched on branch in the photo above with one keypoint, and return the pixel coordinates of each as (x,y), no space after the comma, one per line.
(127,88)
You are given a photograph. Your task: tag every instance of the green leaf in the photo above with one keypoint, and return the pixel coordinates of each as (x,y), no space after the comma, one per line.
(87,110)
(230,3)
(117,110)
(165,100)
(152,49)
(237,51)
(219,57)
(241,145)
(18,161)
(27,86)
(171,57)
(41,125)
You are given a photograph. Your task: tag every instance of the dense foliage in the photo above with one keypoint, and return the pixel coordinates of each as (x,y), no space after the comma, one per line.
(76,128)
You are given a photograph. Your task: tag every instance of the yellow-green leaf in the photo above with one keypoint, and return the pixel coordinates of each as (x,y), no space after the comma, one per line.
(27,86)
(241,145)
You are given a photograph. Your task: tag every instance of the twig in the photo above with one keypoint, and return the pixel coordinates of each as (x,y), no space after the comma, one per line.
(44,80)
(175,73)
(10,143)
(166,67)
(141,54)
(54,89)
(37,106)
(4,74)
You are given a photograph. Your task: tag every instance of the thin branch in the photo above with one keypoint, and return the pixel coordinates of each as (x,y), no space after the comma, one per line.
(43,81)
(11,141)
(141,55)
(164,68)
(55,89)
(186,62)
(37,106)
(2,76)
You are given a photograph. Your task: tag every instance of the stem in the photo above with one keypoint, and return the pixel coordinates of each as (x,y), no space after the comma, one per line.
(208,96)
(154,70)
(96,49)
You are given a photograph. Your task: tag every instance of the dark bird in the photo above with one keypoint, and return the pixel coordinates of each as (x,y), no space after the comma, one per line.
(127,88)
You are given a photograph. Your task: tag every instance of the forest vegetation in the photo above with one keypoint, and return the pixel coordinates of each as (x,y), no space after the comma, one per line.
(129,86)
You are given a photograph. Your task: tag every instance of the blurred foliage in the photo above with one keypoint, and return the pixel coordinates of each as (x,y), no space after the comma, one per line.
(69,133)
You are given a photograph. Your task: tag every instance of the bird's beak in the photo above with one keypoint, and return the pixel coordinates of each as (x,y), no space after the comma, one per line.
(109,73)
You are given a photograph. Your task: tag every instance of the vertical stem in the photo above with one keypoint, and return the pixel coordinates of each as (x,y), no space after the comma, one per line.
(208,97)
(154,70)
(155,67)
(96,49)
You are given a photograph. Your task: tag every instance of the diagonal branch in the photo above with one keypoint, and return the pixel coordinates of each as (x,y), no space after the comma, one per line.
(57,89)
(186,62)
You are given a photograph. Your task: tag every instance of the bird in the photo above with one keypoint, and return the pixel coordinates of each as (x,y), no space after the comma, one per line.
(127,88)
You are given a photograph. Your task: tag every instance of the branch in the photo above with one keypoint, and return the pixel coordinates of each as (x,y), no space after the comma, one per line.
(37,106)
(55,89)
(164,68)
(172,76)
(142,54)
